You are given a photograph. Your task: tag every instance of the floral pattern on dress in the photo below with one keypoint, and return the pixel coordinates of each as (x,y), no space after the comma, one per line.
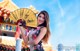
(33,36)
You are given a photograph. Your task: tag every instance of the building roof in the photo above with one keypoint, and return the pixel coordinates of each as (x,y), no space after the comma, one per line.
(9,5)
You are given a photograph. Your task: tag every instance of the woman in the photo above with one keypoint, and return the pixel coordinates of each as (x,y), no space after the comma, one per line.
(41,35)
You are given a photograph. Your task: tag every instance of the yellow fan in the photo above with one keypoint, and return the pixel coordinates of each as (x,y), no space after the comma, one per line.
(26,14)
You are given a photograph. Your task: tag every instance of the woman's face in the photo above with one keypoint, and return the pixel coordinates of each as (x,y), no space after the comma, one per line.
(41,19)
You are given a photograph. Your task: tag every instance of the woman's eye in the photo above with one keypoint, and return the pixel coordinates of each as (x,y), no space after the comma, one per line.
(39,16)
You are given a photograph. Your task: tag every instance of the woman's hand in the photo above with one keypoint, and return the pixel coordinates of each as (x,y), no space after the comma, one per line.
(22,30)
(41,35)
(25,38)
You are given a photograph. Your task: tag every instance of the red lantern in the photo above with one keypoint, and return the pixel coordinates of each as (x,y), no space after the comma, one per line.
(0,13)
(5,16)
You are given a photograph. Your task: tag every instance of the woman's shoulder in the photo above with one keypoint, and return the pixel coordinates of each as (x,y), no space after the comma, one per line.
(43,29)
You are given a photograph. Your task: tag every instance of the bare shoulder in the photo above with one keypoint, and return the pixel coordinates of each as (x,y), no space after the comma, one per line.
(44,29)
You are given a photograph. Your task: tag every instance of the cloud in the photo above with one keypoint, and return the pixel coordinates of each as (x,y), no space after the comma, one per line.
(61,28)
(61,9)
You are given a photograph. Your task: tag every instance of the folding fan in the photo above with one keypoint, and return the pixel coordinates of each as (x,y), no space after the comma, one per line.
(26,14)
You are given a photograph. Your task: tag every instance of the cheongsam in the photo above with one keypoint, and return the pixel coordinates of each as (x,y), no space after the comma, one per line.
(37,47)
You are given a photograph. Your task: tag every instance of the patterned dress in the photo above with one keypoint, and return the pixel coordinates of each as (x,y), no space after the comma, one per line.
(34,33)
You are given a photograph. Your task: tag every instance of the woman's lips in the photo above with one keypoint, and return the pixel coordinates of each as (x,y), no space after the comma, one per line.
(40,21)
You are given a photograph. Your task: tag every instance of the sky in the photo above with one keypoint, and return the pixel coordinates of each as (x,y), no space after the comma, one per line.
(64,19)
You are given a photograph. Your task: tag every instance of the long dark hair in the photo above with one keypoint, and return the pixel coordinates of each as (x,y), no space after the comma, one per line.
(45,24)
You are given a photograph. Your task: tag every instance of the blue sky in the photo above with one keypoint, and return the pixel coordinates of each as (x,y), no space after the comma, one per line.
(64,19)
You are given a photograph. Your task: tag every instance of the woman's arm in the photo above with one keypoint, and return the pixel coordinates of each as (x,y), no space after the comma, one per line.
(25,38)
(39,38)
